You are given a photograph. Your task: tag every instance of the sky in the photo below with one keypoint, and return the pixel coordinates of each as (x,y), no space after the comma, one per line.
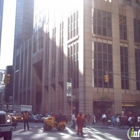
(8,27)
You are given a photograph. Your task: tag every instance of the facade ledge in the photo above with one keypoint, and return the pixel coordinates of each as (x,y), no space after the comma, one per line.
(73,39)
(102,37)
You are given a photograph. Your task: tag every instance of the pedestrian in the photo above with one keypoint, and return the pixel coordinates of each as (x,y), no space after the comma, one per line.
(88,118)
(94,119)
(113,119)
(122,121)
(104,118)
(117,121)
(26,120)
(73,121)
(80,121)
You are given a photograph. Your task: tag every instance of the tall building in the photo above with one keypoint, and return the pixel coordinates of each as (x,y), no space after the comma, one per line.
(1,17)
(81,42)
(23,26)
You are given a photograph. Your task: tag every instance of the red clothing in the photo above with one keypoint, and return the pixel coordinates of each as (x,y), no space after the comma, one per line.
(80,121)
(25,115)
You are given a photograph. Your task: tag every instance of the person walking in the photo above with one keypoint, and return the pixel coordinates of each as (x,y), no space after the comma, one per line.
(73,121)
(80,121)
(94,119)
(113,120)
(104,118)
(117,121)
(25,120)
(88,118)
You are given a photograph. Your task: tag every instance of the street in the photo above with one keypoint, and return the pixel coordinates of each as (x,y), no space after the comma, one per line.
(91,132)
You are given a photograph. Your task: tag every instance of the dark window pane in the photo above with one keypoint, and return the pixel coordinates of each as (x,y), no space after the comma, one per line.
(108,16)
(109,24)
(104,23)
(98,22)
(99,64)
(99,14)
(99,47)
(104,31)
(109,32)
(99,55)
(99,30)
(109,48)
(100,73)
(105,65)
(110,57)
(104,48)
(110,65)
(105,56)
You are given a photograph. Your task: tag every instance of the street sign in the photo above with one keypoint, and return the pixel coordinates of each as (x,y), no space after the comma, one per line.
(69,88)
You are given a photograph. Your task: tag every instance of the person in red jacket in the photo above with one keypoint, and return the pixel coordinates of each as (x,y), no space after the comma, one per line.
(80,122)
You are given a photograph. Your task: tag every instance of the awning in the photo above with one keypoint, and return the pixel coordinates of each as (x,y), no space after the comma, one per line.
(128,104)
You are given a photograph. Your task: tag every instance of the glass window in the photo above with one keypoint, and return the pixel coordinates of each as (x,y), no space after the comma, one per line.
(124,67)
(137,67)
(136,30)
(102,62)
(123,30)
(102,23)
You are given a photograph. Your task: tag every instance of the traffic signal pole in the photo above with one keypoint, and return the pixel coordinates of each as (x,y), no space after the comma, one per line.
(122,76)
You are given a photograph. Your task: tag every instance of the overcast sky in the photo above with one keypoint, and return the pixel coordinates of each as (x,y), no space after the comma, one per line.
(8,28)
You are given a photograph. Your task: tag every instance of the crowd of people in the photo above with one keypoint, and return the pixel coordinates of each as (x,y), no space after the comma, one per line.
(119,120)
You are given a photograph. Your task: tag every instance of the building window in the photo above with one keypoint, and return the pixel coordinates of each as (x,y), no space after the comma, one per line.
(35,43)
(137,62)
(124,67)
(40,38)
(123,30)
(102,23)
(137,30)
(102,62)
(73,63)
(137,1)
(73,25)
(61,53)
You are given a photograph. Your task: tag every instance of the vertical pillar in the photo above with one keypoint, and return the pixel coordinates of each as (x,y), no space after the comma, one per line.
(88,58)
(116,57)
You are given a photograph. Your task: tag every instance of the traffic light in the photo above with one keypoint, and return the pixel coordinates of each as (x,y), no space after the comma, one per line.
(6,79)
(106,78)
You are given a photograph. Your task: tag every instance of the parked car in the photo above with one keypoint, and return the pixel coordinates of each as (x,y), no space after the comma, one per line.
(33,118)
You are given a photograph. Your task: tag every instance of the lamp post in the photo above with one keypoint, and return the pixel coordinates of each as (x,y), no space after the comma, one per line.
(69,91)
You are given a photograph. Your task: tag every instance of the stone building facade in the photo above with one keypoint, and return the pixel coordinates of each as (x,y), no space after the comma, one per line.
(82,44)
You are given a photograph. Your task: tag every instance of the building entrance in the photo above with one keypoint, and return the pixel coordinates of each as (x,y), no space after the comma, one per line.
(100,107)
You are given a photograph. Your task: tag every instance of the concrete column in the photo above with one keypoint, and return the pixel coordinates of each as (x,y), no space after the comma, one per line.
(131,49)
(50,60)
(26,74)
(88,57)
(33,95)
(116,57)
(44,91)
(81,59)
(20,78)
(57,67)
(65,66)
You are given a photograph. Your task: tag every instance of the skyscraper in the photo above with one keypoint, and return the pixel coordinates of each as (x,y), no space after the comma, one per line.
(1,17)
(23,25)
(24,21)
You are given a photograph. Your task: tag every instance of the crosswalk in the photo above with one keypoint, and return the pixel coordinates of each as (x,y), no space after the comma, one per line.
(36,132)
